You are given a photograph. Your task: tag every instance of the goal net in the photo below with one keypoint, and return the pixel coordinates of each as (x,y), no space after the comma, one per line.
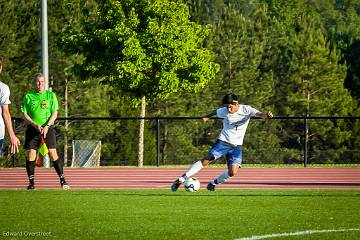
(86,153)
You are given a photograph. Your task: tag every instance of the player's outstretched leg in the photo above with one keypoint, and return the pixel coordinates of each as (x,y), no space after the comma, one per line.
(196,167)
(222,178)
(30,169)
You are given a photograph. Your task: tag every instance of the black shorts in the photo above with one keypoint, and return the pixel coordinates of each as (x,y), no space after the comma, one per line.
(32,138)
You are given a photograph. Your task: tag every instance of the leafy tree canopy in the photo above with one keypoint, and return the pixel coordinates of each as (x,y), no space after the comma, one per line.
(144,48)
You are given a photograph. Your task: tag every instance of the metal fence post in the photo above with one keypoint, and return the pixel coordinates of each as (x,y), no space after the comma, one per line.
(306,139)
(157,142)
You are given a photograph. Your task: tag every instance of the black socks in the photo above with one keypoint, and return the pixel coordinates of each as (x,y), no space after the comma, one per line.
(59,169)
(30,169)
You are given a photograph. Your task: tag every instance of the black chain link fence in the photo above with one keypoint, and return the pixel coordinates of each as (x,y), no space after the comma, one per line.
(173,141)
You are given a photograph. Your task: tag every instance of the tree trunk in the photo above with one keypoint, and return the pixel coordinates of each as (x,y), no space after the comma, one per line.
(165,138)
(141,133)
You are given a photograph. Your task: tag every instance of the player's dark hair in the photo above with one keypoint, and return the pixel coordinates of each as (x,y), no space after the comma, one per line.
(230,98)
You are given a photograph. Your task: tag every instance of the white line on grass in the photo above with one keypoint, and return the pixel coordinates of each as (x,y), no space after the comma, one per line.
(297,233)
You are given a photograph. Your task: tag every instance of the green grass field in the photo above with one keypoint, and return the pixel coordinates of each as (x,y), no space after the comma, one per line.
(161,214)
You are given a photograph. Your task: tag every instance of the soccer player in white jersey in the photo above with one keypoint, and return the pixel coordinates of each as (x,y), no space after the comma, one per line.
(236,118)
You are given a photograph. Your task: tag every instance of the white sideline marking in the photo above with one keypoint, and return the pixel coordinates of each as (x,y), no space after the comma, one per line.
(297,233)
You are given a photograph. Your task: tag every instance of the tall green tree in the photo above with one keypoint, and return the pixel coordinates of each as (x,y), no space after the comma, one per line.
(315,85)
(341,20)
(148,49)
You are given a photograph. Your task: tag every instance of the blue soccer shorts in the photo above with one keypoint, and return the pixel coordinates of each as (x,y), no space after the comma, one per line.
(232,152)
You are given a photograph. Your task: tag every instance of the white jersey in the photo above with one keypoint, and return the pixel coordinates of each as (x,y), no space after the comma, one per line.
(4,99)
(235,124)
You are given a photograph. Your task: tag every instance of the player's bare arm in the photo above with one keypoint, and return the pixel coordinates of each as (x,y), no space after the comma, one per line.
(206,117)
(49,123)
(15,142)
(264,115)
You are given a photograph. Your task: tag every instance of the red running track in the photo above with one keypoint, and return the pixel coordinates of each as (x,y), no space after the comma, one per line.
(161,178)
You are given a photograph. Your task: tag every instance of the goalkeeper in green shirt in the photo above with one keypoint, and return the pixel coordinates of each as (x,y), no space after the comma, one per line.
(40,109)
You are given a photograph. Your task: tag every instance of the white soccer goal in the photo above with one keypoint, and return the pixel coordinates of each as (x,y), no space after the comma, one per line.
(86,153)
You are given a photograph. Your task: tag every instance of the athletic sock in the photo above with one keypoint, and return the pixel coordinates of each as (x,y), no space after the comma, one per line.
(222,178)
(182,178)
(30,169)
(59,169)
(196,167)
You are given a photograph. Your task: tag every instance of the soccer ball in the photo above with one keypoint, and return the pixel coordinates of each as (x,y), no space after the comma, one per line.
(192,184)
